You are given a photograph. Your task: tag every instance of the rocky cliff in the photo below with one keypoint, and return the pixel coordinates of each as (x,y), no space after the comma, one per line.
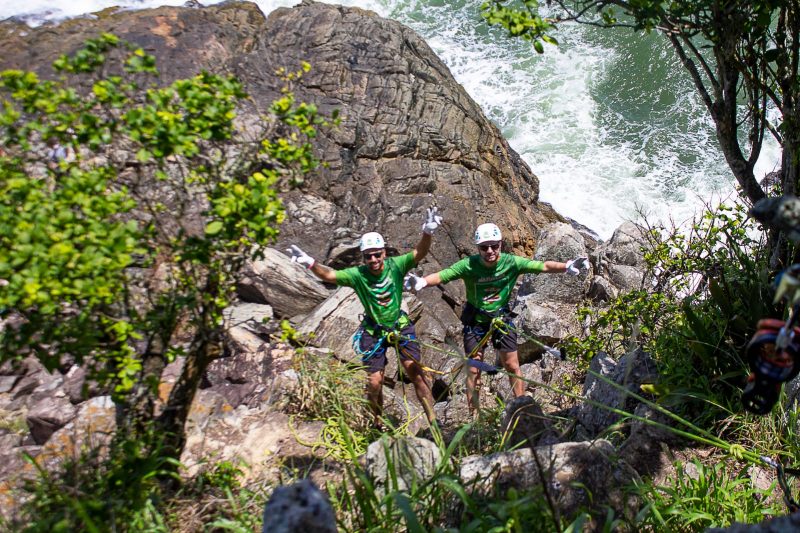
(409,135)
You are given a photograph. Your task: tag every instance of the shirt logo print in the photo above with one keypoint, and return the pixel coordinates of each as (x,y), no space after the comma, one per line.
(383,292)
(492,297)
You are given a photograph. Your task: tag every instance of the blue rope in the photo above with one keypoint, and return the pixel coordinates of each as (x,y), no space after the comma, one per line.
(365,356)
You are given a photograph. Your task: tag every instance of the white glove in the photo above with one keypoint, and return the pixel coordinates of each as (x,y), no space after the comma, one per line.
(300,257)
(574,266)
(412,282)
(432,220)
(553,351)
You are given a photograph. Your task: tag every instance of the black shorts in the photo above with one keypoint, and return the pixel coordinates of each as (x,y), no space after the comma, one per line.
(409,348)
(504,342)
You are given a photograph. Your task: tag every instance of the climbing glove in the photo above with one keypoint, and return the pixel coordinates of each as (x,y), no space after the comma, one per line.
(432,220)
(574,266)
(300,257)
(412,282)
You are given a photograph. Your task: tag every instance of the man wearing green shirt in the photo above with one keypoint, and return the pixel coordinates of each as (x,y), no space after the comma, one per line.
(378,283)
(489,278)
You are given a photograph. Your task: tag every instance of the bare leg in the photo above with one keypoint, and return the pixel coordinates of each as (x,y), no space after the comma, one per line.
(375,394)
(421,387)
(510,361)
(474,387)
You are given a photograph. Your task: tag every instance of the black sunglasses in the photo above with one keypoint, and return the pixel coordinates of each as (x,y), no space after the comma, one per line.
(487,247)
(373,254)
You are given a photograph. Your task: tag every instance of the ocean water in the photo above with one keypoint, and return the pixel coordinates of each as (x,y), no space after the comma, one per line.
(608,120)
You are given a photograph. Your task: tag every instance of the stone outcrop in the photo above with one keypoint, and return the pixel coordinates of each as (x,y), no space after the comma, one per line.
(619,263)
(409,133)
(565,470)
(629,373)
(395,464)
(276,281)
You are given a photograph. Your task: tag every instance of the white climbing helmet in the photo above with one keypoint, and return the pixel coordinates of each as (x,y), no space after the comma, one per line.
(372,240)
(487,233)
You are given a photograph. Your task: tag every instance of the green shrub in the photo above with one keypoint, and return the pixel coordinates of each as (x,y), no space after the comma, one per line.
(709,498)
(96,492)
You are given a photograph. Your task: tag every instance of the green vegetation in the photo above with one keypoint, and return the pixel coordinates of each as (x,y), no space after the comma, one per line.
(122,251)
(709,497)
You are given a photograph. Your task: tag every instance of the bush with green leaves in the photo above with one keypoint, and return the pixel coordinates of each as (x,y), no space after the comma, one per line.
(124,255)
(121,248)
(707,497)
(708,286)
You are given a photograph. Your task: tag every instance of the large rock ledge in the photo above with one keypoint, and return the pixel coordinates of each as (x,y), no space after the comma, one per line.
(409,135)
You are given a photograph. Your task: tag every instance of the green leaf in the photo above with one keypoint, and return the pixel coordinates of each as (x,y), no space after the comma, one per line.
(214,227)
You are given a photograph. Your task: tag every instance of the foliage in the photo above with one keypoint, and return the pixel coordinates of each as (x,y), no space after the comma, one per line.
(523,23)
(327,387)
(124,254)
(707,287)
(718,275)
(96,492)
(742,57)
(127,209)
(711,497)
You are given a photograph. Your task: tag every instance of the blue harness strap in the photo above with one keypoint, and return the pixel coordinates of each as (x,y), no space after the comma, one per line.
(365,356)
(385,333)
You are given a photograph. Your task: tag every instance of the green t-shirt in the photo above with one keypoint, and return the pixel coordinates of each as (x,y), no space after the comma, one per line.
(380,295)
(489,288)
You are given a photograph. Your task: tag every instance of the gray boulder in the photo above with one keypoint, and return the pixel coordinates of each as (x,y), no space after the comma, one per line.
(524,423)
(577,475)
(274,280)
(48,415)
(558,242)
(630,372)
(619,263)
(397,464)
(334,322)
(298,507)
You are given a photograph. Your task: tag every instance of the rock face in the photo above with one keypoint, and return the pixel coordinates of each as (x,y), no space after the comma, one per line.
(630,372)
(398,464)
(409,134)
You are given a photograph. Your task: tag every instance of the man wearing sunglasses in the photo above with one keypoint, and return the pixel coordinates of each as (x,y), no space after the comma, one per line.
(379,286)
(489,278)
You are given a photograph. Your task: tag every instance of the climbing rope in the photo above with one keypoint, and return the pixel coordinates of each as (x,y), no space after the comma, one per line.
(791,504)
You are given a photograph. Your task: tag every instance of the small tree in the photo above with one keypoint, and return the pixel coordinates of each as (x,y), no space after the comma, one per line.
(742,56)
(123,255)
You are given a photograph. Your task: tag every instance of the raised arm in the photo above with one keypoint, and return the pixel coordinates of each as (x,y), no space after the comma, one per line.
(415,283)
(432,221)
(554,267)
(572,267)
(321,271)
